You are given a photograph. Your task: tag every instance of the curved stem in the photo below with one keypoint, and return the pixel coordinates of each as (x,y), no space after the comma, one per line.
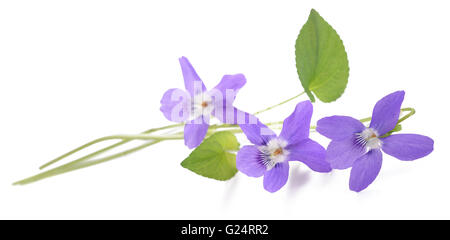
(141,137)
(145,132)
(106,148)
(128,138)
(279,104)
(69,167)
(81,163)
(412,111)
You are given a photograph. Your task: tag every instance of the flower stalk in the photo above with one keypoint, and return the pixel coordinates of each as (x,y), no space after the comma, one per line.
(150,139)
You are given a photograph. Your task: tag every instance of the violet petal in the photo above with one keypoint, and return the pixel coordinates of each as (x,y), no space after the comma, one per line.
(231,115)
(195,131)
(296,126)
(407,147)
(175,105)
(256,132)
(277,177)
(249,162)
(310,153)
(339,127)
(341,154)
(194,85)
(224,94)
(231,84)
(386,112)
(365,170)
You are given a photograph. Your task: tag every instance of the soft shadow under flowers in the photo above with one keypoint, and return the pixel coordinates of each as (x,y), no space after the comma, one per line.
(298,178)
(230,189)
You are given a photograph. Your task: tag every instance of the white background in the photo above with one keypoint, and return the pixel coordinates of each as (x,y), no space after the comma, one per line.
(72,71)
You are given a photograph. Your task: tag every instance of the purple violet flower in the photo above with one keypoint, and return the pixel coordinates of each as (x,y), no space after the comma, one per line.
(196,105)
(271,154)
(354,145)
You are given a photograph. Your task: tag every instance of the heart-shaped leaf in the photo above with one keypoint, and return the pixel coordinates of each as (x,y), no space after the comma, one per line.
(214,157)
(321,60)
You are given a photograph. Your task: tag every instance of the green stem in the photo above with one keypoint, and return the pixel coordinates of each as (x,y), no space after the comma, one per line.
(125,138)
(279,104)
(145,132)
(68,168)
(128,138)
(106,148)
(412,111)
(81,163)
(141,137)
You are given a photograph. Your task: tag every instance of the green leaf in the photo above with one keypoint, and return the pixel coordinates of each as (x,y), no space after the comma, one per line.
(214,157)
(321,60)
